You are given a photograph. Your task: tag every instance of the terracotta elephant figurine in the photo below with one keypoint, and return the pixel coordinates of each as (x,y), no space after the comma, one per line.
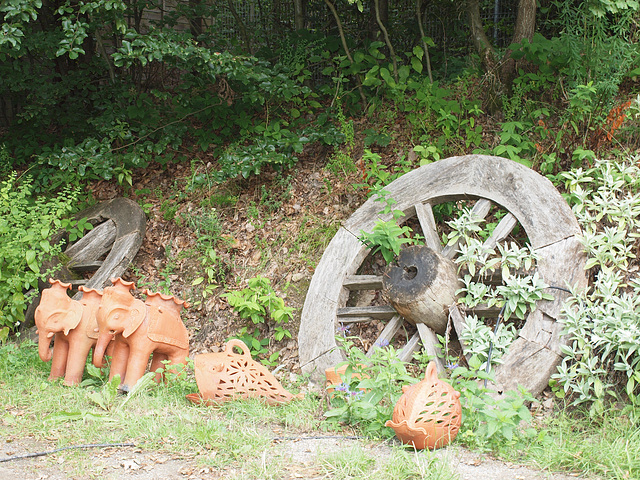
(141,329)
(73,326)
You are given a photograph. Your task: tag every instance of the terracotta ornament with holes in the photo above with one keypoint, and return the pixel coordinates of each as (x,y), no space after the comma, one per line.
(428,414)
(227,375)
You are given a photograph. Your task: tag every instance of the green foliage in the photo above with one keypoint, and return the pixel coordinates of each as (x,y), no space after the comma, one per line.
(207,227)
(517,295)
(602,323)
(521,294)
(259,303)
(479,339)
(370,389)
(500,423)
(387,238)
(27,224)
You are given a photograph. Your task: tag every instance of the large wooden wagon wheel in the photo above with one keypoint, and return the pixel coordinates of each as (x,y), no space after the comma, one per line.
(530,200)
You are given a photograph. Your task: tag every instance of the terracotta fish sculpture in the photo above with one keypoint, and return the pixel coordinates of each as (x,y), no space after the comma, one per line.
(227,375)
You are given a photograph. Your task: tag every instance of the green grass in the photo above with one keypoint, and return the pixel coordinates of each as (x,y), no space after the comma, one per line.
(238,437)
(606,447)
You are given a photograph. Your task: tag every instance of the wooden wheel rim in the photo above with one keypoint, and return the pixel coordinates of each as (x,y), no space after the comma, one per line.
(532,199)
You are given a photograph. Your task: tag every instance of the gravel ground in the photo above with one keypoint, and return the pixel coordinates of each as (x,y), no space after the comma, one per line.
(300,457)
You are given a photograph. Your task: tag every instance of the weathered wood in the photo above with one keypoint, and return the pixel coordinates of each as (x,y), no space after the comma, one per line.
(480,210)
(430,345)
(424,212)
(119,231)
(412,346)
(561,266)
(543,330)
(528,365)
(502,231)
(86,267)
(385,337)
(459,321)
(131,224)
(363,282)
(96,243)
(355,319)
(383,312)
(482,310)
(529,197)
(420,285)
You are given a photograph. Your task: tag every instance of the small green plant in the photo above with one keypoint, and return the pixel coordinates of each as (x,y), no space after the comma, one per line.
(387,238)
(259,303)
(479,339)
(342,160)
(487,422)
(370,389)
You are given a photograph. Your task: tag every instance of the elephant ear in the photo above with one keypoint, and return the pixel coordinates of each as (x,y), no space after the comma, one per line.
(136,315)
(72,318)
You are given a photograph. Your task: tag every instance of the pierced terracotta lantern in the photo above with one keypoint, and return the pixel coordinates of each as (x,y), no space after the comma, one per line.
(227,376)
(141,329)
(428,414)
(73,326)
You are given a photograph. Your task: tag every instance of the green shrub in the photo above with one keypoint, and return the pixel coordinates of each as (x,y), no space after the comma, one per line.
(602,361)
(26,225)
(259,303)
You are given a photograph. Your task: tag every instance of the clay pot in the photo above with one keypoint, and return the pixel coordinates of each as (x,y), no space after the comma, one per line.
(334,376)
(428,414)
(228,375)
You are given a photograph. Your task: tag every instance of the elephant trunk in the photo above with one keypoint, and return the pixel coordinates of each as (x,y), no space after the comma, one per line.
(44,342)
(101,346)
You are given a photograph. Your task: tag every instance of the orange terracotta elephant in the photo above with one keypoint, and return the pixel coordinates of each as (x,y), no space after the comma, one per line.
(73,326)
(141,329)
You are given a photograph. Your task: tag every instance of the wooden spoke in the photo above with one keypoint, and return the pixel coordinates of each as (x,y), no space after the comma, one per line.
(502,231)
(430,344)
(363,282)
(86,266)
(387,334)
(412,346)
(347,314)
(424,212)
(482,310)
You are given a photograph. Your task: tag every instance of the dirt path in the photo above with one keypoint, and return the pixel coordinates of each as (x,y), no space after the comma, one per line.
(296,458)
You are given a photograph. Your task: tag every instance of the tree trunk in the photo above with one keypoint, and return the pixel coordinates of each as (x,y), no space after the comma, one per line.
(422,37)
(332,8)
(478,37)
(525,28)
(300,14)
(381,17)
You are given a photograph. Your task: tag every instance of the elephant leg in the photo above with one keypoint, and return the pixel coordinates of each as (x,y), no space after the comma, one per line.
(136,366)
(59,358)
(119,360)
(76,362)
(156,363)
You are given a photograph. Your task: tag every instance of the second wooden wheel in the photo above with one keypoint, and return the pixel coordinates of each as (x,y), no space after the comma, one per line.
(530,201)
